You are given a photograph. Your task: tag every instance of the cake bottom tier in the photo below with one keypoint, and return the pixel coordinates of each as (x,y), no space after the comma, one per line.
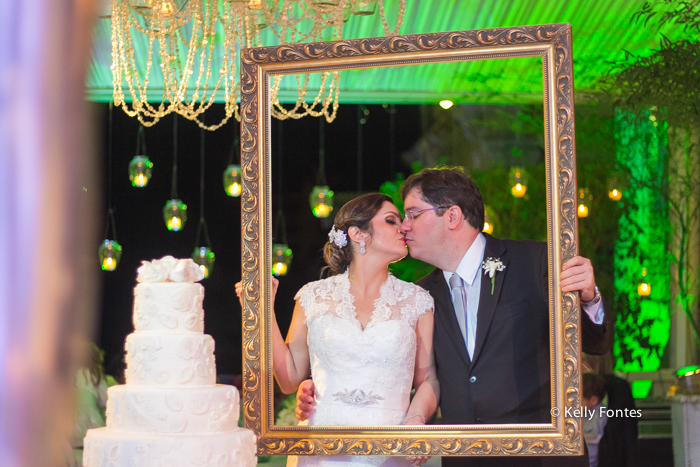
(104,447)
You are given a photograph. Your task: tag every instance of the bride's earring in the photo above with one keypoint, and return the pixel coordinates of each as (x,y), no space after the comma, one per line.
(363,250)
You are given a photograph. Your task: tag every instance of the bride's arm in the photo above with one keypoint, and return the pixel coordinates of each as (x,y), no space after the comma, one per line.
(290,359)
(425,381)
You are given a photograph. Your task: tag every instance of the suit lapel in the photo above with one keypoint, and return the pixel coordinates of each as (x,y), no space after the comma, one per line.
(446,314)
(496,249)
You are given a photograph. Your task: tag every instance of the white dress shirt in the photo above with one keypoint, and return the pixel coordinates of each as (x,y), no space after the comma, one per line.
(469,270)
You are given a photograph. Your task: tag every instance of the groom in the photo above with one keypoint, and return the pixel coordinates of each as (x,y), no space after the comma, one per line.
(491,337)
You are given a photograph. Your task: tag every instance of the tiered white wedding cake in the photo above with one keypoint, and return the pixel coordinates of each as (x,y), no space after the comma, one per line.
(170,412)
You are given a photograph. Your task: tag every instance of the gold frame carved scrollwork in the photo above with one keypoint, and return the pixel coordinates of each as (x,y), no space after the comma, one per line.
(550,42)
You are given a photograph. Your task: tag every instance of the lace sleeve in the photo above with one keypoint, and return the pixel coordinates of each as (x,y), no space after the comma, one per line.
(424,302)
(313,297)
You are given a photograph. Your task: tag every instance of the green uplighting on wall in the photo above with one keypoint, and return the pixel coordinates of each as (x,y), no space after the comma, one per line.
(643,323)
(641,388)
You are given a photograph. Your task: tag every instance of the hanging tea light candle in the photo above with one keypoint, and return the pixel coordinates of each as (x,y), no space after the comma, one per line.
(232,174)
(518,182)
(140,170)
(582,206)
(110,252)
(174,211)
(644,288)
(488,224)
(281,259)
(321,197)
(321,200)
(175,214)
(204,257)
(614,191)
(140,167)
(232,180)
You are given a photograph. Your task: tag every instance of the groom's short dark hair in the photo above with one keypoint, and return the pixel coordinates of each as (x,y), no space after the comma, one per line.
(448,186)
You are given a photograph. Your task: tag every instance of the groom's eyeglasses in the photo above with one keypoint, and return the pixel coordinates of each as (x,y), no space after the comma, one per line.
(410,215)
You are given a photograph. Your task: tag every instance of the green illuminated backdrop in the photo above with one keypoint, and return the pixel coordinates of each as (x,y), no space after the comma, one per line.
(643,325)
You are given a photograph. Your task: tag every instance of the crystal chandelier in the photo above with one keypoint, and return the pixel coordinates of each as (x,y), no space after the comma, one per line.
(194,46)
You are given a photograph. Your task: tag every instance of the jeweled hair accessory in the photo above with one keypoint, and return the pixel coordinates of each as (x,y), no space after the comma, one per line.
(338,237)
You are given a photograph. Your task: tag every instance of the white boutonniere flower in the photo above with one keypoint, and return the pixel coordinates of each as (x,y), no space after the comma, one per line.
(490,266)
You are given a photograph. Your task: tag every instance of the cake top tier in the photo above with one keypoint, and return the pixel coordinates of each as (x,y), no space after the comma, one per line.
(169,269)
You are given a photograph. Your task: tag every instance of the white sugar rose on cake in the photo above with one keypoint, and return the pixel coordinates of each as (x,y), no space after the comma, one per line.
(170,412)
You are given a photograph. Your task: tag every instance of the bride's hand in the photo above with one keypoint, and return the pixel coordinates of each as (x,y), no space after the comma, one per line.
(275,285)
(305,399)
(418,421)
(239,290)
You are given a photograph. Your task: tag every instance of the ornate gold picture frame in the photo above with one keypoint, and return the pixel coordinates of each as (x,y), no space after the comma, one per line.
(550,42)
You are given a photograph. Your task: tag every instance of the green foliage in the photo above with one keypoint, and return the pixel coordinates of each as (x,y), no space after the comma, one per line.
(676,12)
(669,78)
(285,412)
(643,324)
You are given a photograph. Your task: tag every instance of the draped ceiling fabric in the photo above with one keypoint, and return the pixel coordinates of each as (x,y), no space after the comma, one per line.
(601,30)
(47,194)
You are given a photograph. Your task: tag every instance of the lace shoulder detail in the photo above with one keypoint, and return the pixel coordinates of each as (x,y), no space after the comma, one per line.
(318,297)
(424,301)
(414,301)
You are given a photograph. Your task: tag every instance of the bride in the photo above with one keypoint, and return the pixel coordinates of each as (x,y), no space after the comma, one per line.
(364,335)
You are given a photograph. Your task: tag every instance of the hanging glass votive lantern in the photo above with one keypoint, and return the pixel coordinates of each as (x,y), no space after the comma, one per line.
(321,200)
(140,171)
(614,190)
(488,223)
(175,214)
(140,167)
(518,182)
(204,257)
(281,259)
(232,180)
(363,7)
(110,252)
(644,288)
(583,197)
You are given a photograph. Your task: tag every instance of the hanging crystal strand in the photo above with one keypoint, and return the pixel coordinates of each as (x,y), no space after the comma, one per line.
(165,26)
(399,19)
(199,18)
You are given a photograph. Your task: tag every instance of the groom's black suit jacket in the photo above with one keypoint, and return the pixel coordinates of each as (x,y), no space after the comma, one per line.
(508,378)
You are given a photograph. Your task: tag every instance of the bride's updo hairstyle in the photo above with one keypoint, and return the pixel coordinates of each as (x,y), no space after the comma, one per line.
(357,212)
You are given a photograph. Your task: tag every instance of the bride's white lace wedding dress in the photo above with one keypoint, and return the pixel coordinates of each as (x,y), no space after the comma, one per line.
(362,377)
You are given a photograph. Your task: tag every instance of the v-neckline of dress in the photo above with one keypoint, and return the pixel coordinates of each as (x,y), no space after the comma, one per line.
(349,311)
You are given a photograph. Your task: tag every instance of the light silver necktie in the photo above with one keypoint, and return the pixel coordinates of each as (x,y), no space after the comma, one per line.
(460,304)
